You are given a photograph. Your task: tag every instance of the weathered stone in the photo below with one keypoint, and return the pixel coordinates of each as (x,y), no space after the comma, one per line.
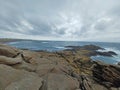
(87,83)
(99,87)
(114,88)
(44,69)
(28,83)
(61,82)
(62,70)
(109,75)
(8,51)
(25,66)
(21,79)
(10,61)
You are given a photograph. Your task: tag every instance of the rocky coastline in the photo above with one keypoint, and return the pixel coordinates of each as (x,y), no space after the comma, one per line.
(70,69)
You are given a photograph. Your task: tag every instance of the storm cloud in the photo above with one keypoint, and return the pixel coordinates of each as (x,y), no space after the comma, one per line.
(83,20)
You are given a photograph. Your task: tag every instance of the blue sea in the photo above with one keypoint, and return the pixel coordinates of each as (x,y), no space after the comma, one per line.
(60,45)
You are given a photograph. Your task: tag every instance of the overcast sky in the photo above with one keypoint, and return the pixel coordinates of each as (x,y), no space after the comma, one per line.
(83,20)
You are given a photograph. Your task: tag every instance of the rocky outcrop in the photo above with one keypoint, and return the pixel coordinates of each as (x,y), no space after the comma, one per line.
(70,69)
(29,71)
(108,75)
(92,50)
(86,83)
(85,47)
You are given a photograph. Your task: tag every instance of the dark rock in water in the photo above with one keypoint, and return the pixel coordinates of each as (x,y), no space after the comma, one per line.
(92,50)
(118,63)
(113,53)
(109,53)
(86,47)
(92,47)
(108,75)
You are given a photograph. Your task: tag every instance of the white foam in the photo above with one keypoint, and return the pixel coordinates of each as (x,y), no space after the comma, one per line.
(117,58)
(60,47)
(12,43)
(44,42)
(110,49)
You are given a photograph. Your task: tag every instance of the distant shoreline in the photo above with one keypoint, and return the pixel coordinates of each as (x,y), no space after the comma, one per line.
(7,40)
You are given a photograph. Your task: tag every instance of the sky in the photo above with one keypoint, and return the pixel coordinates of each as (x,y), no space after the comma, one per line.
(71,20)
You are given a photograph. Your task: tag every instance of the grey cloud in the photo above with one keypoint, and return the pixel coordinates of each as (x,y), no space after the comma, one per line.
(73,19)
(102,25)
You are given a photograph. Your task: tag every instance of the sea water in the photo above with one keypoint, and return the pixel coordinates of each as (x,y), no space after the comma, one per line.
(60,45)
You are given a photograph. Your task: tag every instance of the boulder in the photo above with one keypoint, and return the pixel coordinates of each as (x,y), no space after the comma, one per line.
(10,61)
(8,51)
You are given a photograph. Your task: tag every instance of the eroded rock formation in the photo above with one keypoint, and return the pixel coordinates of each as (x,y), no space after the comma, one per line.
(70,69)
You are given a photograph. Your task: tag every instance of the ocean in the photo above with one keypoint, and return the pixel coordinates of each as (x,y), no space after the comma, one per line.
(60,45)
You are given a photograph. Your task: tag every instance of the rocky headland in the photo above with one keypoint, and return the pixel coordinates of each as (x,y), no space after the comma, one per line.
(6,40)
(70,69)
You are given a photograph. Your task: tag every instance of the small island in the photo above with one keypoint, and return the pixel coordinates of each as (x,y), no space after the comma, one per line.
(70,69)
